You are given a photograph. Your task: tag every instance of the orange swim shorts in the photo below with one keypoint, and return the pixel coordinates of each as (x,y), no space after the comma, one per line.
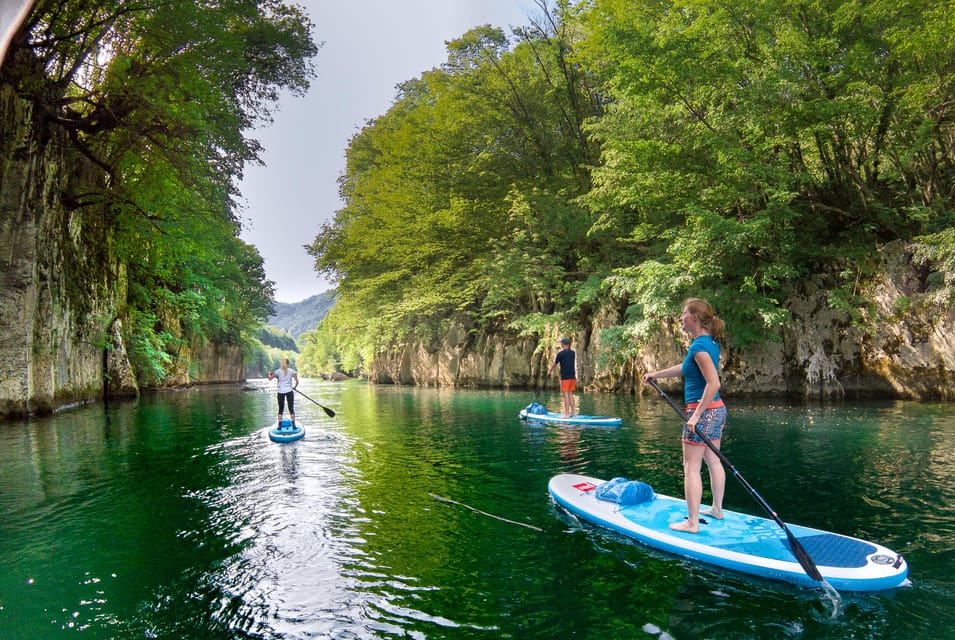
(568,385)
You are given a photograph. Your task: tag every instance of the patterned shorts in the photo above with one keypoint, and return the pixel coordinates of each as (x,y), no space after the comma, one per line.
(711,424)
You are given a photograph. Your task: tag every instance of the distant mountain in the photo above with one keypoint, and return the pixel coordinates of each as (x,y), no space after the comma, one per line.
(299,317)
(272,336)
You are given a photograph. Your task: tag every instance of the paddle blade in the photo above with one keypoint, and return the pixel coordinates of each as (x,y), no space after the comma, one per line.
(803,557)
(329,412)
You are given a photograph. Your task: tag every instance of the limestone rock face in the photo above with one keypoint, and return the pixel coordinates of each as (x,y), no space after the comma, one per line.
(903,348)
(62,293)
(461,358)
(911,347)
(59,291)
(219,363)
(120,378)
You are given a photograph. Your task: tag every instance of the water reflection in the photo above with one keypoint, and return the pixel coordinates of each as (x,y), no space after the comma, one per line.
(175,516)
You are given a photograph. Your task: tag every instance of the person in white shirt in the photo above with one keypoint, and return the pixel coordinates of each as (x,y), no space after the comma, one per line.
(288,381)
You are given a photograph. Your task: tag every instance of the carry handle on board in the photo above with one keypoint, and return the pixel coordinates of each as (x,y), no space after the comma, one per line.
(798,550)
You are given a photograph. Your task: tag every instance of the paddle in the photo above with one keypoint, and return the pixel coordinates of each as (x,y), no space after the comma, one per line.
(331,414)
(798,550)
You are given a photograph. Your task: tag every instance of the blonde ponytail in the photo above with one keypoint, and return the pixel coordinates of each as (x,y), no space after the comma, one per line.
(704,313)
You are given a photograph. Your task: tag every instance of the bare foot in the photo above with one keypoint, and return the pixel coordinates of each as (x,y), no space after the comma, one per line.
(685,526)
(713,513)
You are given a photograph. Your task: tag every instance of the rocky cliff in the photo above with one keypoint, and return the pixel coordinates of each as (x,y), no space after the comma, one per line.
(62,292)
(903,348)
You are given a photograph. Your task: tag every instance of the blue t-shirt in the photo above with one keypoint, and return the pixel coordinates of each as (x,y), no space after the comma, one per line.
(693,381)
(566,360)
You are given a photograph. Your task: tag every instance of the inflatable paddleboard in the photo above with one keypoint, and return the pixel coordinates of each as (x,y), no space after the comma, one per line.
(536,411)
(740,542)
(286,431)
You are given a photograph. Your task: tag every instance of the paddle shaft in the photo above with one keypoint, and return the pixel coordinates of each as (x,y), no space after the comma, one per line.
(798,550)
(331,414)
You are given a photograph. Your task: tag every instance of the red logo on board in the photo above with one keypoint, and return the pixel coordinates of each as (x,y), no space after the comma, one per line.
(585,486)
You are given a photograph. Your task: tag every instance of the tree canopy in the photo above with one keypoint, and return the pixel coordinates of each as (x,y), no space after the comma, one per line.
(641,151)
(159,97)
(762,141)
(460,199)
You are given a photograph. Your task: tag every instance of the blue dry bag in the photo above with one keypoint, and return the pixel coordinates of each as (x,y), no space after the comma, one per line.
(625,492)
(536,409)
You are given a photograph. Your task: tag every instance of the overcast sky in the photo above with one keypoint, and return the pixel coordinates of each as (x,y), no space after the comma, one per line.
(369,47)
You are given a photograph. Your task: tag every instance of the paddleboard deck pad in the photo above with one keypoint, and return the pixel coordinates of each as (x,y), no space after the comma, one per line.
(535,411)
(286,431)
(741,542)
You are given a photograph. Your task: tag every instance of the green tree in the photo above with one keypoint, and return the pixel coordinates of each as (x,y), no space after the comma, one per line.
(748,144)
(475,165)
(159,97)
(274,337)
(642,151)
(337,344)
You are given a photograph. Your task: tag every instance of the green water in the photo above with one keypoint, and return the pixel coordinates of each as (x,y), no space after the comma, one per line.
(174,516)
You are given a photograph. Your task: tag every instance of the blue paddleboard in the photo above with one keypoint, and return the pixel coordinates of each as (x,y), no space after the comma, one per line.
(741,542)
(527,413)
(286,432)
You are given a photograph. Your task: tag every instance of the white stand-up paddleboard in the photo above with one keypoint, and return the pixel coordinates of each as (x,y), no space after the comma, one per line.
(741,542)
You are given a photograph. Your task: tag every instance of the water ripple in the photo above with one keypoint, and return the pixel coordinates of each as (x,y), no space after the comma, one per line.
(176,517)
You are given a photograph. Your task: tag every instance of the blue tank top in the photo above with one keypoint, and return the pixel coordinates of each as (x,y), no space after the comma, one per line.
(693,381)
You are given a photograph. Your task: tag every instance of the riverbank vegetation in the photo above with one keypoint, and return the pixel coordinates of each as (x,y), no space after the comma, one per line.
(639,151)
(156,100)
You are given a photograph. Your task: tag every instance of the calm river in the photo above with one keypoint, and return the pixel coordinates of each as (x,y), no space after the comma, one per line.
(174,516)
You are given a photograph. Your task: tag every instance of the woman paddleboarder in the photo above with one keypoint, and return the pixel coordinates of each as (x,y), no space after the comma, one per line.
(701,393)
(288,381)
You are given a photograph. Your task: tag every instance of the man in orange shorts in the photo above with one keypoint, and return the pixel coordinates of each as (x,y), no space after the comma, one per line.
(566,360)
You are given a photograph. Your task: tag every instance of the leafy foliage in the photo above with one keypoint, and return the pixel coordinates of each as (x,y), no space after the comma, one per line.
(644,151)
(277,338)
(337,344)
(460,198)
(158,96)
(748,145)
(939,249)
